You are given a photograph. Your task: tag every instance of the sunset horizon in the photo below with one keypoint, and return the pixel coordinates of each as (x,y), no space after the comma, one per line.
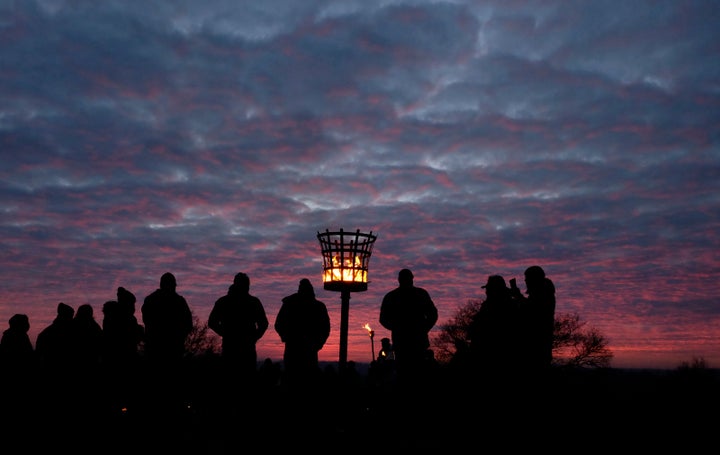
(474,138)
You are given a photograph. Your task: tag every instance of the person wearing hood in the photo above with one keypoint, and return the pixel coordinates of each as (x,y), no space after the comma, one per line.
(239,319)
(303,324)
(54,344)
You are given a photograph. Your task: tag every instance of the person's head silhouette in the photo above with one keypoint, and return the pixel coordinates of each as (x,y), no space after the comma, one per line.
(535,272)
(125,297)
(405,278)
(241,282)
(168,282)
(65,311)
(20,322)
(305,288)
(495,286)
(385,347)
(84,311)
(534,277)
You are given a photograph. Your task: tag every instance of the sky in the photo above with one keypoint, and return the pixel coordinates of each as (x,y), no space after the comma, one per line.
(472,137)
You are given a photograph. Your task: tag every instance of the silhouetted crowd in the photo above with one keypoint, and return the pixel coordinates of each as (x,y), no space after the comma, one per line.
(126,385)
(82,368)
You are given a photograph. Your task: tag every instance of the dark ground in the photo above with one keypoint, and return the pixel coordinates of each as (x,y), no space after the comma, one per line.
(586,411)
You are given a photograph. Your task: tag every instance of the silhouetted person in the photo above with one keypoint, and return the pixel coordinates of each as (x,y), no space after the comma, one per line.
(56,381)
(303,324)
(54,343)
(386,352)
(493,332)
(122,334)
(168,322)
(17,376)
(382,369)
(86,342)
(409,313)
(86,339)
(537,317)
(16,350)
(240,319)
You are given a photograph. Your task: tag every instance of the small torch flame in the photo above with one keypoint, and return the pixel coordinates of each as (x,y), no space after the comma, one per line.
(367,327)
(371,334)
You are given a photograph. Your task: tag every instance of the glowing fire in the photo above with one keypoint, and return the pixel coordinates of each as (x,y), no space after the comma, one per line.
(349,270)
(367,327)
